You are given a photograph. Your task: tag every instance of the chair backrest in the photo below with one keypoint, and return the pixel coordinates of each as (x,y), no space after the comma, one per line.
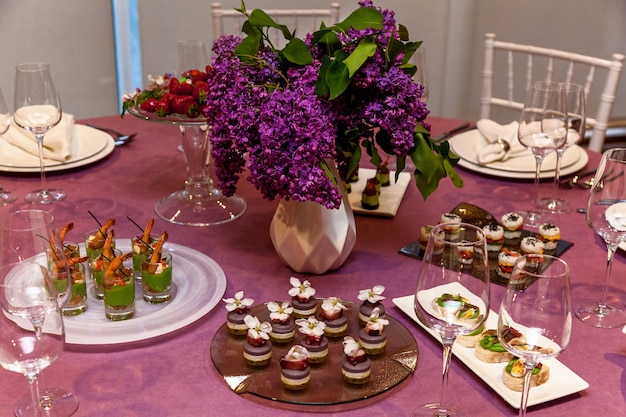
(302,20)
(526,63)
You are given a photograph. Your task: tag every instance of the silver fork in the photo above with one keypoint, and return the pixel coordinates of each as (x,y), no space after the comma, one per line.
(119,137)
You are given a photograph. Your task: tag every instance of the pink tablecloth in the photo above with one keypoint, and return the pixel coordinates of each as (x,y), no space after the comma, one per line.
(173,375)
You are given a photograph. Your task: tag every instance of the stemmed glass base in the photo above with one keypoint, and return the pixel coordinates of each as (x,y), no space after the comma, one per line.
(206,209)
(432,410)
(601,315)
(55,402)
(44,196)
(7,197)
(555,205)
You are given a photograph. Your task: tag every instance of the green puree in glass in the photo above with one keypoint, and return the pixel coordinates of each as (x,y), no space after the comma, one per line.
(157,283)
(120,295)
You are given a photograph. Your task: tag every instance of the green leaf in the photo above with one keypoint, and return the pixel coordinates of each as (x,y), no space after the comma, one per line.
(403,32)
(362,18)
(298,52)
(259,18)
(321,86)
(364,50)
(337,77)
(247,48)
(327,40)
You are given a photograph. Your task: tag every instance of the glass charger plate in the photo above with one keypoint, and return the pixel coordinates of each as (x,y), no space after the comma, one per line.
(91,145)
(477,216)
(326,387)
(562,382)
(199,284)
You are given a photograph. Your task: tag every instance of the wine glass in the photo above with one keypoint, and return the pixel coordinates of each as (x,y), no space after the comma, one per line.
(606,215)
(32,236)
(6,197)
(31,333)
(37,109)
(419,59)
(452,295)
(542,130)
(537,304)
(576,116)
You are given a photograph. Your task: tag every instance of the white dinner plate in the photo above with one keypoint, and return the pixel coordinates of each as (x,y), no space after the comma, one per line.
(562,382)
(199,284)
(390,196)
(468,145)
(90,145)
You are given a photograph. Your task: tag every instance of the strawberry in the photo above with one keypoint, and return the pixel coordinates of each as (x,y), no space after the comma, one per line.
(200,91)
(192,109)
(150,104)
(163,106)
(200,76)
(174,85)
(185,88)
(180,103)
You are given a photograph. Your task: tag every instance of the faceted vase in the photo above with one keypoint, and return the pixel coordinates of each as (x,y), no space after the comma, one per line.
(311,238)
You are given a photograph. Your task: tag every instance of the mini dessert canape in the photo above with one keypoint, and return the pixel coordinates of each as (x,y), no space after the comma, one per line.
(156,273)
(314,340)
(373,338)
(283,325)
(370,197)
(513,224)
(356,367)
(332,314)
(550,234)
(494,234)
(257,349)
(372,298)
(490,350)
(465,253)
(470,340)
(456,308)
(302,298)
(424,236)
(531,245)
(451,228)
(118,285)
(237,309)
(383,175)
(506,260)
(295,373)
(513,375)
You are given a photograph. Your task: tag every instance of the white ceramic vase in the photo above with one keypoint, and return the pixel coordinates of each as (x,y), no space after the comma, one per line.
(311,238)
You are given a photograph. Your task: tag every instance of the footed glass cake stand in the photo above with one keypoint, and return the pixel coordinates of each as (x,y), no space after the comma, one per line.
(200,203)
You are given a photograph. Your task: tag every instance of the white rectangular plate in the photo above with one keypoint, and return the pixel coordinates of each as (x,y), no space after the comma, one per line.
(562,380)
(390,196)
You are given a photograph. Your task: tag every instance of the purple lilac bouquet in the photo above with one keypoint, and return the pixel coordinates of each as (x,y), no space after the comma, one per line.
(319,100)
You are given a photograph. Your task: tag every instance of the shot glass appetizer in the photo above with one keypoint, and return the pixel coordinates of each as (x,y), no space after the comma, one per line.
(156,277)
(118,285)
(99,261)
(77,303)
(95,239)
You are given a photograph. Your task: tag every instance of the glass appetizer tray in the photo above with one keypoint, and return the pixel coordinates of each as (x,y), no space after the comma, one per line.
(198,285)
(477,216)
(562,382)
(326,387)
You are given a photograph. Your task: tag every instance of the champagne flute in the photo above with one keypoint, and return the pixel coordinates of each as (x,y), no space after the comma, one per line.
(606,215)
(576,116)
(32,236)
(452,295)
(542,130)
(37,109)
(6,197)
(31,333)
(537,304)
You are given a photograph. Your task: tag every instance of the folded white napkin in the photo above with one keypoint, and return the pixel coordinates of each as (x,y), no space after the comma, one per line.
(494,151)
(57,142)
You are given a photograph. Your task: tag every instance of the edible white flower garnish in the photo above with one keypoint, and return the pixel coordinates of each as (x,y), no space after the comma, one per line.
(375,322)
(256,329)
(297,353)
(279,312)
(351,347)
(333,305)
(311,326)
(159,80)
(372,295)
(233,304)
(302,290)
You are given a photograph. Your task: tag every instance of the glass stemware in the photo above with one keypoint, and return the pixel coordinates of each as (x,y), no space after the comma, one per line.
(542,130)
(37,109)
(31,333)
(606,215)
(452,295)
(420,76)
(6,197)
(535,319)
(31,236)
(576,125)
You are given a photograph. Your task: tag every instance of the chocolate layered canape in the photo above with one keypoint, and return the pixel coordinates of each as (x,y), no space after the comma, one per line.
(356,367)
(295,373)
(257,349)
(283,325)
(372,298)
(237,309)
(302,298)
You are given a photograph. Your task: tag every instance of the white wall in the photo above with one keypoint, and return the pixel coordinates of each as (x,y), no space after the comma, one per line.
(76,37)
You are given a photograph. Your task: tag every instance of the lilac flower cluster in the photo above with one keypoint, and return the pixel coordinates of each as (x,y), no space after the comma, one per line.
(271,116)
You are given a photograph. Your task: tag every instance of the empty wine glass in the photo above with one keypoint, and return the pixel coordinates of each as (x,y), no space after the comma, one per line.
(452,295)
(576,117)
(542,129)
(37,109)
(535,319)
(6,197)
(32,335)
(419,58)
(606,215)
